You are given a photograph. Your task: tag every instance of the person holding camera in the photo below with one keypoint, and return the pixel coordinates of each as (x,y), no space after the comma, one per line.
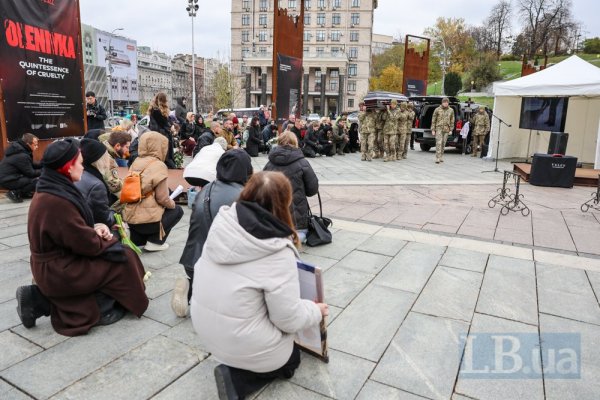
(94,111)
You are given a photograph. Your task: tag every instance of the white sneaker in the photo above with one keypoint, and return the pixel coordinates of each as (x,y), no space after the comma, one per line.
(156,247)
(179,299)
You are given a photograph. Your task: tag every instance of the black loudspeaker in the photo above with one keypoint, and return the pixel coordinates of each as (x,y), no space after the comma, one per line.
(558,143)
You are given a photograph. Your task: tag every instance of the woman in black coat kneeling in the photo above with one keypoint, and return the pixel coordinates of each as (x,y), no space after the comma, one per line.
(288,158)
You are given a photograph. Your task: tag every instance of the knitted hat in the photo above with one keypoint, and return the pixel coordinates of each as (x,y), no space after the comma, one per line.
(60,152)
(91,150)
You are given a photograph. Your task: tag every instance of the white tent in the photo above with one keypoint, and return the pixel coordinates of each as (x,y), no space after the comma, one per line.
(574,78)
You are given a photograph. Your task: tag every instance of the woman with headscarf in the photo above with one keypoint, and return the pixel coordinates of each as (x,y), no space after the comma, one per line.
(78,266)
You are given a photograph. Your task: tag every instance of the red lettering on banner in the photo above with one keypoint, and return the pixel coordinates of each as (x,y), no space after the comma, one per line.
(40,40)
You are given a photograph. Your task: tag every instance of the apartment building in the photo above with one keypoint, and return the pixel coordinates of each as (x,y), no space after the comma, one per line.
(337,51)
(154,71)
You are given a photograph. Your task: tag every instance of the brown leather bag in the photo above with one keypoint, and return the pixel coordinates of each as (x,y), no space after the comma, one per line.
(131,191)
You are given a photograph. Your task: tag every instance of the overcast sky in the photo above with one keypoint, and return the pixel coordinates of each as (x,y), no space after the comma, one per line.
(166,26)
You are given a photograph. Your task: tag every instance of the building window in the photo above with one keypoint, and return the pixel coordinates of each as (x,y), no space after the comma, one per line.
(262,19)
(320,51)
(321,4)
(350,103)
(263,5)
(245,36)
(262,51)
(353,52)
(335,51)
(306,49)
(336,3)
(355,19)
(320,36)
(336,19)
(333,85)
(352,86)
(321,19)
(354,36)
(245,51)
(307,36)
(307,4)
(246,5)
(262,36)
(352,69)
(334,73)
(245,19)
(306,19)
(291,3)
(355,3)
(335,36)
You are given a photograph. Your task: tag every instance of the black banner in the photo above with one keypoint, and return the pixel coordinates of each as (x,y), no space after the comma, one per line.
(41,68)
(289,82)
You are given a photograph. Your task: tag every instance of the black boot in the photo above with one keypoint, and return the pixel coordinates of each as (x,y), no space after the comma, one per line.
(31,304)
(14,196)
(225,385)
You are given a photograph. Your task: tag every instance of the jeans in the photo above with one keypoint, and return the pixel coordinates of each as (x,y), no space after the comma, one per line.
(150,232)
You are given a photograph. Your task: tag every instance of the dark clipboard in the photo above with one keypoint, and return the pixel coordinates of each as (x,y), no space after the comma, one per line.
(311,288)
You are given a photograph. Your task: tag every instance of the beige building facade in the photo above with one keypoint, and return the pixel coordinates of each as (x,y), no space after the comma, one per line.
(337,52)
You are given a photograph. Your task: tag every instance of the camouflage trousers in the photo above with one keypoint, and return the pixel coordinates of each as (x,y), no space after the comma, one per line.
(390,147)
(379,147)
(440,144)
(367,145)
(403,143)
(477,142)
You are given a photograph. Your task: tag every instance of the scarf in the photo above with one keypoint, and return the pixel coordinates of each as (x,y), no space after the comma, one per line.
(54,183)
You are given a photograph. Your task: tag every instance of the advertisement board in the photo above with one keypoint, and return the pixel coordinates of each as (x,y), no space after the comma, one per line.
(41,69)
(123,64)
(289,78)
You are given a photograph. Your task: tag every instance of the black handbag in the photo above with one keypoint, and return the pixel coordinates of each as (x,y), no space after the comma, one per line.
(318,232)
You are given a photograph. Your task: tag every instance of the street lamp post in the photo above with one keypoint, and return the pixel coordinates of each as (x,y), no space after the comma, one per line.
(108,59)
(192,9)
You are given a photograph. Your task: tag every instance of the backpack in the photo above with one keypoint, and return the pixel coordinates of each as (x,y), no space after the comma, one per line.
(131,191)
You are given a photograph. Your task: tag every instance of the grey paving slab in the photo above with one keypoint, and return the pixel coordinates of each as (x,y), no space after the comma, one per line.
(14,274)
(199,382)
(15,241)
(160,310)
(464,259)
(42,334)
(322,262)
(162,259)
(13,230)
(378,391)
(15,349)
(411,268)
(441,228)
(341,378)
(555,239)
(8,392)
(481,217)
(423,357)
(8,315)
(509,290)
(381,215)
(495,388)
(586,240)
(477,231)
(14,254)
(594,278)
(47,373)
(450,293)
(334,312)
(342,285)
(163,280)
(343,243)
(515,222)
(185,333)
(367,325)
(382,245)
(588,386)
(566,292)
(140,373)
(354,212)
(510,235)
(285,390)
(457,396)
(362,261)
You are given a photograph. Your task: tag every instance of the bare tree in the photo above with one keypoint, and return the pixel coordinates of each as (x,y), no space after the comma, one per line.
(498,24)
(540,18)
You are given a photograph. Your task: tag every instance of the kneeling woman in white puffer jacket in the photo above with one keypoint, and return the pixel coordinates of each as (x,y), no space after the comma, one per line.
(246,304)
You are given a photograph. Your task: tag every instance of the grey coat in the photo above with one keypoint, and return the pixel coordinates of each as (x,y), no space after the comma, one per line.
(95,193)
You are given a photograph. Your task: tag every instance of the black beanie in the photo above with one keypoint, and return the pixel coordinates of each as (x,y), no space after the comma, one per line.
(91,150)
(60,152)
(234,166)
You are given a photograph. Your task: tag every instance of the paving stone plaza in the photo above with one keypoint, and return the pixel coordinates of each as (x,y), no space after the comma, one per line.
(419,268)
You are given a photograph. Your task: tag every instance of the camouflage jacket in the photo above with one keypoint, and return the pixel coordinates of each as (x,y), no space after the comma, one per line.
(380,118)
(392,121)
(410,120)
(481,124)
(403,123)
(366,122)
(443,120)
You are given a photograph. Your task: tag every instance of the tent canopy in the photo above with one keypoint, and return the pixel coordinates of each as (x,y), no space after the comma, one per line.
(571,77)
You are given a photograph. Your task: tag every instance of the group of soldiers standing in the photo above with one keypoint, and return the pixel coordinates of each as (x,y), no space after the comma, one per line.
(386,133)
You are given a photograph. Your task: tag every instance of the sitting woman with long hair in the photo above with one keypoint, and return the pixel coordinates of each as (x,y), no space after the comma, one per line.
(246,304)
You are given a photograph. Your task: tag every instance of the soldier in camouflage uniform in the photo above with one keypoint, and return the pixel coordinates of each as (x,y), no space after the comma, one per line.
(411,121)
(481,126)
(402,132)
(390,131)
(366,121)
(442,123)
(380,118)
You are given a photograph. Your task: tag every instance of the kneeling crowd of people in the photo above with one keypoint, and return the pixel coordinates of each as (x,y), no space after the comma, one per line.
(245,230)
